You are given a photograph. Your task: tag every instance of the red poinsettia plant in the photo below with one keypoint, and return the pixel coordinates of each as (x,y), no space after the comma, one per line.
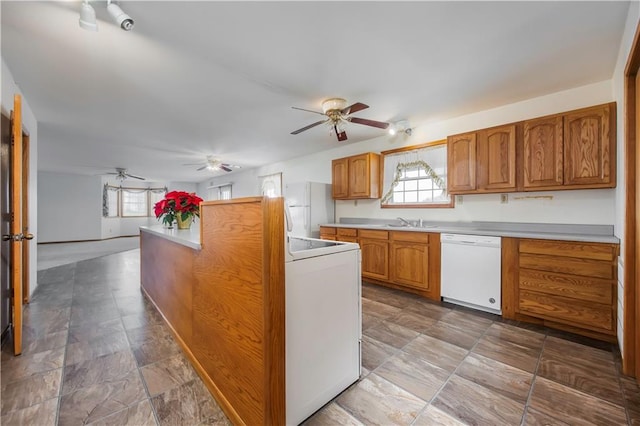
(177,203)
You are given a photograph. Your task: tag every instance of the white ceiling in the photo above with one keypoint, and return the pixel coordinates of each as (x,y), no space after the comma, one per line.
(219,78)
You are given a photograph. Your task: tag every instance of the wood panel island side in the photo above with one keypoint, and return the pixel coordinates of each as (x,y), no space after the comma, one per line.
(224,299)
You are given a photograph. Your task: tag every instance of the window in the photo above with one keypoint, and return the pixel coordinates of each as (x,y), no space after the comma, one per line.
(155,195)
(416,176)
(219,192)
(271,185)
(135,202)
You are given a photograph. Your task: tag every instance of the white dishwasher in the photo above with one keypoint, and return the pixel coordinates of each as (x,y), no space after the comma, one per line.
(471,271)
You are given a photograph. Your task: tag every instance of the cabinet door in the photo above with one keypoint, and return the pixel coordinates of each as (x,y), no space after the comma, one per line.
(364,176)
(340,178)
(543,152)
(588,147)
(375,259)
(461,163)
(497,159)
(410,264)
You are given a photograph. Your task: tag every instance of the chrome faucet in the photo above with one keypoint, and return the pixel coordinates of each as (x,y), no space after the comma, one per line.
(404,221)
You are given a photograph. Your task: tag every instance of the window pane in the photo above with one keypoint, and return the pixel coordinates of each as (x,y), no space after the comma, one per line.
(134,203)
(399,187)
(411,185)
(425,196)
(225,192)
(411,197)
(398,197)
(424,184)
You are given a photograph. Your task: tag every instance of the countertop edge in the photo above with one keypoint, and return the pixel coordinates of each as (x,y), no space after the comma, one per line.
(186,237)
(612,239)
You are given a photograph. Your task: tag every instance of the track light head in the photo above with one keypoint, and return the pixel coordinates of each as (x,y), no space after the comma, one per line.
(88,17)
(122,19)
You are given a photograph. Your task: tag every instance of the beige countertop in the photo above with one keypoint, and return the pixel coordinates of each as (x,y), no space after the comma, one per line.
(565,232)
(186,237)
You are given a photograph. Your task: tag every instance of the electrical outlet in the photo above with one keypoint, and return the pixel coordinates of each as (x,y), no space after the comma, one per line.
(458,199)
(504,198)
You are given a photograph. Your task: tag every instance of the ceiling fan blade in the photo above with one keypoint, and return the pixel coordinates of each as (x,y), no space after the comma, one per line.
(358,106)
(372,123)
(193,164)
(226,169)
(201,168)
(342,136)
(309,126)
(134,176)
(231,166)
(308,110)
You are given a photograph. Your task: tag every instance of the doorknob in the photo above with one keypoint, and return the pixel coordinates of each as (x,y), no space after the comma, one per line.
(28,236)
(6,237)
(17,237)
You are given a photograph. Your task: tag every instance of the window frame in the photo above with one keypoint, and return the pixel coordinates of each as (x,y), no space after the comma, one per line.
(434,144)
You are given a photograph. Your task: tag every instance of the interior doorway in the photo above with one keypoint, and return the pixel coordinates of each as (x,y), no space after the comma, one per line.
(5,304)
(631,255)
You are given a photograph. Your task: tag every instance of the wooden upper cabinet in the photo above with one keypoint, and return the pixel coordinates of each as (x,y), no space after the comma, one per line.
(356,177)
(496,166)
(543,152)
(461,163)
(588,147)
(340,178)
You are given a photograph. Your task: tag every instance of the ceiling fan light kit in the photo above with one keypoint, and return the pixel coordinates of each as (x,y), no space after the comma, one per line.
(213,164)
(337,114)
(122,175)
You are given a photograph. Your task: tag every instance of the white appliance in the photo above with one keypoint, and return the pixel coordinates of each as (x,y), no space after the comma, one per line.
(471,271)
(323,323)
(311,205)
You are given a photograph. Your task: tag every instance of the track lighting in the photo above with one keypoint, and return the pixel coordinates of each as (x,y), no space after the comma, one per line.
(400,127)
(122,19)
(88,17)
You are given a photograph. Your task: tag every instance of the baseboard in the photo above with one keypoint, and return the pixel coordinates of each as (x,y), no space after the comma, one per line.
(89,241)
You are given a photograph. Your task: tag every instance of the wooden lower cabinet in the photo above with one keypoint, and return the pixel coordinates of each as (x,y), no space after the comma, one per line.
(562,284)
(404,260)
(375,253)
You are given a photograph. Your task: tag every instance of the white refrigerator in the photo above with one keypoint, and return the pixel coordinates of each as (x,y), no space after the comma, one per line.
(310,205)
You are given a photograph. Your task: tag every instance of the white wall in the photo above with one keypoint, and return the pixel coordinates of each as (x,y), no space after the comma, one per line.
(633,19)
(70,207)
(578,206)
(30,124)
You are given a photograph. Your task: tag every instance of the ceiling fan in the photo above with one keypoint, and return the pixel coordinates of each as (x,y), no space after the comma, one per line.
(337,112)
(121,174)
(213,164)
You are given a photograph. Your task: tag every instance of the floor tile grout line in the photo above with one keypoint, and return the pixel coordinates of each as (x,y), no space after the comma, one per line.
(533,381)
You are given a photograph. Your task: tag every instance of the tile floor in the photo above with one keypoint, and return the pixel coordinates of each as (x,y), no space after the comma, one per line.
(96,352)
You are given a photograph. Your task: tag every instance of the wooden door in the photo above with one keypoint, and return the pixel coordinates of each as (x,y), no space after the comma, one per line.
(340,178)
(461,163)
(543,145)
(16,237)
(588,147)
(497,159)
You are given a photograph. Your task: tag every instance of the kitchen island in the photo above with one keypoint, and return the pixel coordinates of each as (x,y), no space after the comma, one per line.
(221,289)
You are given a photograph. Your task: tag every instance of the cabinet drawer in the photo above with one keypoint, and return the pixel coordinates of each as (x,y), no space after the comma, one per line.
(326,230)
(569,249)
(412,237)
(347,232)
(580,288)
(568,265)
(374,235)
(589,315)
